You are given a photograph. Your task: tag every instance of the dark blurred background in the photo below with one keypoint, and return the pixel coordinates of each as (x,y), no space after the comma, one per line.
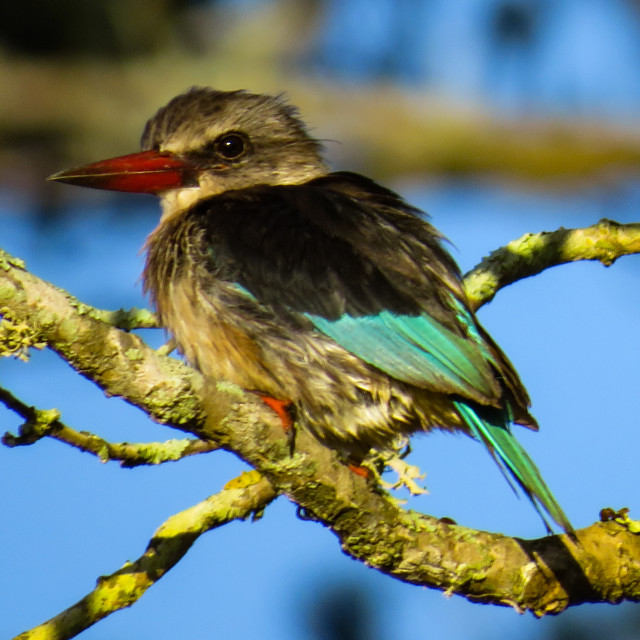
(499,117)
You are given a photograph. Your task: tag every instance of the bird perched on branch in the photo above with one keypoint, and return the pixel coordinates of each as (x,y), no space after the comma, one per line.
(324,292)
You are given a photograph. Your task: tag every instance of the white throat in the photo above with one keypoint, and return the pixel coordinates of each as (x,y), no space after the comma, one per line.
(177,200)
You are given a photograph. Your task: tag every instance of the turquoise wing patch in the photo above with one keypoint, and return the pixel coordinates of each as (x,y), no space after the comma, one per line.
(417,350)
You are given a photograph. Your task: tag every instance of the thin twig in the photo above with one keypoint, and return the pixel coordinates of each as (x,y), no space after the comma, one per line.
(40,423)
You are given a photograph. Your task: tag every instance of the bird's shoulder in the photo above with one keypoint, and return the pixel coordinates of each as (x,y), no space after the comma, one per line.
(340,243)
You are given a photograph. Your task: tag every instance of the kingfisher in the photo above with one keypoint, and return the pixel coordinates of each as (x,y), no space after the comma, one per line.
(323,292)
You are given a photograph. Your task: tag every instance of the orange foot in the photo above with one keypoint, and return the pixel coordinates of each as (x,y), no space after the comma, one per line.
(358,470)
(283,408)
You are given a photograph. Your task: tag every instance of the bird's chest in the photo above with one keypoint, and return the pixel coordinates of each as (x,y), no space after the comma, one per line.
(212,331)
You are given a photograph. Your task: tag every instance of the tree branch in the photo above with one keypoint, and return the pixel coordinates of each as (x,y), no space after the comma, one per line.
(41,423)
(605,241)
(120,363)
(544,576)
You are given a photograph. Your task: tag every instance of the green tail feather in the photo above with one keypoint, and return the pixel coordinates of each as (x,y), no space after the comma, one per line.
(494,433)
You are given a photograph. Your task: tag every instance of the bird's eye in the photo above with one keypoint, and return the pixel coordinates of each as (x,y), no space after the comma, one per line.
(231,146)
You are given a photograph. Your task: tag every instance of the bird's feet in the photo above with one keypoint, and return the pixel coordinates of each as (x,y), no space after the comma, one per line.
(283,409)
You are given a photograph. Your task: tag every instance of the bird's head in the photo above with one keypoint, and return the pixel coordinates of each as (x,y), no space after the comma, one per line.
(205,142)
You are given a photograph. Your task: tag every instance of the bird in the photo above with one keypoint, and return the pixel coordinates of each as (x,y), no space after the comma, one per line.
(322,291)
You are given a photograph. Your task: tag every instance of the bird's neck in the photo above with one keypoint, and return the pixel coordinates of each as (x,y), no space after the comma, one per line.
(175,201)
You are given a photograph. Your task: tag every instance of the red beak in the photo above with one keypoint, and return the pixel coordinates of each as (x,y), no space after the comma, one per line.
(145,172)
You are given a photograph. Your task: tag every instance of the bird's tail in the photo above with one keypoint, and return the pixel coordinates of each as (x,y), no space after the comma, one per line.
(490,427)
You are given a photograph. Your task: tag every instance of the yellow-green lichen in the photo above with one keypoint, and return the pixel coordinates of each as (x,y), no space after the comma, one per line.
(415,521)
(158,452)
(16,336)
(245,479)
(7,261)
(39,424)
(230,388)
(134,354)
